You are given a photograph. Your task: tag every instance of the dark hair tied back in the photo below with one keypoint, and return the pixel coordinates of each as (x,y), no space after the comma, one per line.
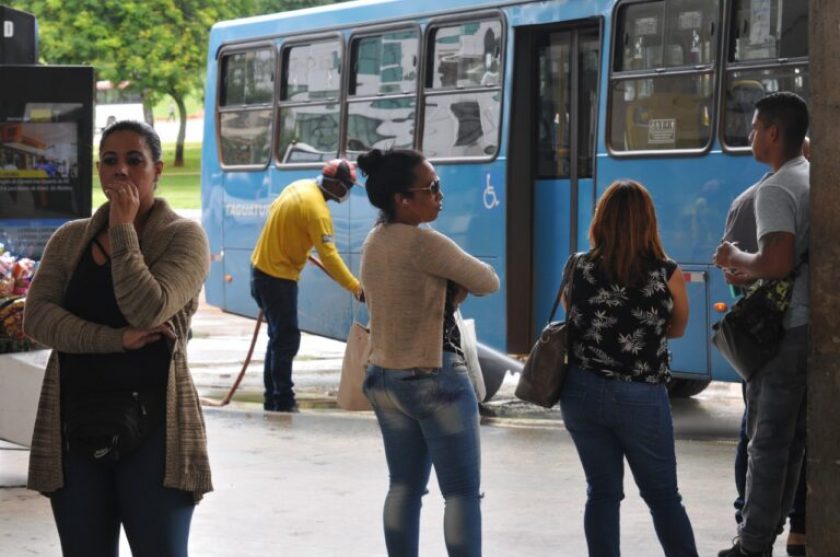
(370,162)
(388,174)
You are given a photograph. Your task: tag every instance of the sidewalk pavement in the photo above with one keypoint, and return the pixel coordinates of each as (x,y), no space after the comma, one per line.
(312,484)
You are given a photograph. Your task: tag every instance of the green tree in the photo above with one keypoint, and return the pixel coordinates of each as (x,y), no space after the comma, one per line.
(160,46)
(259,7)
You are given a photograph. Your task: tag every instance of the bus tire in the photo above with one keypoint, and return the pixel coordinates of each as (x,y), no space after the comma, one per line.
(685,388)
(494,366)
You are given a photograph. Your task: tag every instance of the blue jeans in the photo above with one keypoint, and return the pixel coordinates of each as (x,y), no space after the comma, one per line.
(609,421)
(99,496)
(796,516)
(741,463)
(429,418)
(776,429)
(277,298)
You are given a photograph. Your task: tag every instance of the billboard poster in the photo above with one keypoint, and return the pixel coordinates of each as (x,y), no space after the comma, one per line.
(39,166)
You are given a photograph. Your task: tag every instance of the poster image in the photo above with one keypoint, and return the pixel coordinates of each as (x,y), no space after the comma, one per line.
(39,169)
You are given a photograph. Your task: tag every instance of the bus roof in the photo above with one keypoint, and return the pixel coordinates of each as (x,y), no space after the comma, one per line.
(324,18)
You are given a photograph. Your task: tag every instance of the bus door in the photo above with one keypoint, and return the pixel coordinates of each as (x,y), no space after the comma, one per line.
(551,166)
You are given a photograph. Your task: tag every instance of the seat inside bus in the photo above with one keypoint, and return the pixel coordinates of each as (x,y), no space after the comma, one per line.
(687,115)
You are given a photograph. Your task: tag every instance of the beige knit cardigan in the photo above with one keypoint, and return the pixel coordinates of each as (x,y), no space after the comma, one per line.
(404,270)
(157,279)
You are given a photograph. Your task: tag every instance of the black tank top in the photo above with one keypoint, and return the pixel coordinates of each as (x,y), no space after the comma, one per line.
(90,296)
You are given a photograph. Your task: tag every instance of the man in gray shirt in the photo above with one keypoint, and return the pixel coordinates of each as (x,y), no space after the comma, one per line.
(776,393)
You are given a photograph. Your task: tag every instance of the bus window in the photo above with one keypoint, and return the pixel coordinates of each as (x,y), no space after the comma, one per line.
(462,101)
(745,87)
(309,108)
(116,102)
(769,29)
(245,105)
(248,78)
(669,112)
(383,67)
(554,97)
(772,37)
(654,108)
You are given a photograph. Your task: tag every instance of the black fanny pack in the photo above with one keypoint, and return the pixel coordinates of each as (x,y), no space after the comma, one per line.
(110,426)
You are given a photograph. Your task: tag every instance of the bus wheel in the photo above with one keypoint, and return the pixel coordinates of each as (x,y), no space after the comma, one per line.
(685,388)
(494,366)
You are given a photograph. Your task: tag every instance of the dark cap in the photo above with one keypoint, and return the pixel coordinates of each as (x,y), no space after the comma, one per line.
(341,170)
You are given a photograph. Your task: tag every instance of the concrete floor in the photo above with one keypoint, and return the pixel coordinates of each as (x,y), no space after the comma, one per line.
(312,484)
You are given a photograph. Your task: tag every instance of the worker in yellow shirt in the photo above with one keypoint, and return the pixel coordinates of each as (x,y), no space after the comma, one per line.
(297,221)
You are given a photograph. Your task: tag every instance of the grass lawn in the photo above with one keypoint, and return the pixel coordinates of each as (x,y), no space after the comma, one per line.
(180,186)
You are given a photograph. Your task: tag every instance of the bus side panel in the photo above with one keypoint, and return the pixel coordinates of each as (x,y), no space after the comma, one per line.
(690,353)
(474,217)
(237,292)
(212,220)
(212,194)
(552,204)
(585,210)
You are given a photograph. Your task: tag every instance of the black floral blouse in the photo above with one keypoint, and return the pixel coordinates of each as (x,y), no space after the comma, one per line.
(618,331)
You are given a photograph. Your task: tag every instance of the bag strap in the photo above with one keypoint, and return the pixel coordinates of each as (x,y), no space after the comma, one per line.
(571,264)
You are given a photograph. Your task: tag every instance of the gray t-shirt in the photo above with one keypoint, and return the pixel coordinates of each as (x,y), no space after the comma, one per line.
(740,220)
(781,205)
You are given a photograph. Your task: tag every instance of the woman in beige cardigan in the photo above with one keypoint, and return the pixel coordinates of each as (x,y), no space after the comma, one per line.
(119,436)
(417,383)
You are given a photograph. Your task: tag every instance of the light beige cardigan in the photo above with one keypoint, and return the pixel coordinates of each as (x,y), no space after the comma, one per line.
(404,270)
(157,279)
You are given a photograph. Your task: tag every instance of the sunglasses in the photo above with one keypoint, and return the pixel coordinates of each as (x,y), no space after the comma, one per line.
(433,188)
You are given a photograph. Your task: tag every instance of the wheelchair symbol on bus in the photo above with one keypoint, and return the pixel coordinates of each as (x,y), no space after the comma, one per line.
(490,198)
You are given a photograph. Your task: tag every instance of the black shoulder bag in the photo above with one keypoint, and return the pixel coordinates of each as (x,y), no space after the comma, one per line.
(110,426)
(542,376)
(750,333)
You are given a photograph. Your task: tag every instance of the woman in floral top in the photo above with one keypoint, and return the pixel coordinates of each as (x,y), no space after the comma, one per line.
(626,299)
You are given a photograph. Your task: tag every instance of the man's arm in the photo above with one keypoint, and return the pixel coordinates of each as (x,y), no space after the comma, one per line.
(322,237)
(774,259)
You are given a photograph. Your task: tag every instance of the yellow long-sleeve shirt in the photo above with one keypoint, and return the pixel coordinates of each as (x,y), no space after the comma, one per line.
(298,220)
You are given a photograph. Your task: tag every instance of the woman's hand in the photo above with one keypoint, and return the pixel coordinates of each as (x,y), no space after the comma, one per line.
(125,201)
(134,338)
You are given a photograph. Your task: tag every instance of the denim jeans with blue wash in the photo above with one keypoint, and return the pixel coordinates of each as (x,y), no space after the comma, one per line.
(776,429)
(99,496)
(609,421)
(796,516)
(277,298)
(429,417)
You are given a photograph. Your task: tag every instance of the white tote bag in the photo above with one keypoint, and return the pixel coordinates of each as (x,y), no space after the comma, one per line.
(356,355)
(469,344)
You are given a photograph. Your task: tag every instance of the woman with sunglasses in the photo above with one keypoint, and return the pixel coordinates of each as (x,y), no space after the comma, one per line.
(417,382)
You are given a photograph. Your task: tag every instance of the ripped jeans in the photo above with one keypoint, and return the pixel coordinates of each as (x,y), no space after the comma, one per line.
(429,417)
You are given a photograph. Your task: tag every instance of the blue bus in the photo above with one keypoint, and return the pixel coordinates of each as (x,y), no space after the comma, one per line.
(528,110)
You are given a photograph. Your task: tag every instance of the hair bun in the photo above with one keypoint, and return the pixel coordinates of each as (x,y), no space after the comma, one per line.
(370,162)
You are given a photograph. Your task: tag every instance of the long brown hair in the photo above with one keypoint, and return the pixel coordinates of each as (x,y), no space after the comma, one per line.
(624,234)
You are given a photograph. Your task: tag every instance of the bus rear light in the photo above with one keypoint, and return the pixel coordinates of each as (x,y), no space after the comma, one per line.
(721,307)
(694,276)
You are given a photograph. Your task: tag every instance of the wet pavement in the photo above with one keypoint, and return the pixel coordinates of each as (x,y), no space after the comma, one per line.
(312,484)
